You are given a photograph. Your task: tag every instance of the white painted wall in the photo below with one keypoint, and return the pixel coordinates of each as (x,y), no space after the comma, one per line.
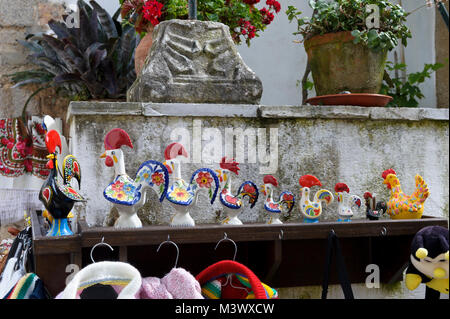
(280,62)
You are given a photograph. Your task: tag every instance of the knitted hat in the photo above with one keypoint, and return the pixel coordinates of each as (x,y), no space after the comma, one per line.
(211,281)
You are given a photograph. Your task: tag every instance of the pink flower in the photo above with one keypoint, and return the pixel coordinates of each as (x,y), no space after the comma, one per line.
(28,165)
(5,141)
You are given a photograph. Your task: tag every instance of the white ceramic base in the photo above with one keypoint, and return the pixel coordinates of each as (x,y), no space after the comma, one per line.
(182,220)
(127,218)
(232,221)
(274,220)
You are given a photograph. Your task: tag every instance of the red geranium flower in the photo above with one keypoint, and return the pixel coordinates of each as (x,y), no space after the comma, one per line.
(204,179)
(152,11)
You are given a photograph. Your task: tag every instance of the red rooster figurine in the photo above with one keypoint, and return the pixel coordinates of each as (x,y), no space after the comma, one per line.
(233,205)
(285,202)
(59,198)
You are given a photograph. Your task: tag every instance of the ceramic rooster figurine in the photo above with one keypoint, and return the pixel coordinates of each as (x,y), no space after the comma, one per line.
(400,205)
(374,209)
(233,204)
(59,198)
(284,204)
(182,195)
(313,210)
(126,194)
(346,202)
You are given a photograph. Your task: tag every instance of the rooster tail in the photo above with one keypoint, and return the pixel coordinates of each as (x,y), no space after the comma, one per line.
(287,199)
(325,196)
(205,178)
(356,201)
(155,175)
(71,169)
(250,190)
(421,192)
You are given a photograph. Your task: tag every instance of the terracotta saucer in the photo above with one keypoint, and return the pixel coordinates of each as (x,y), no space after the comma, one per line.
(358,99)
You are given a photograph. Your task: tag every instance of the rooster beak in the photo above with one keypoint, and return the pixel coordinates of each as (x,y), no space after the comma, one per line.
(103,155)
(50,156)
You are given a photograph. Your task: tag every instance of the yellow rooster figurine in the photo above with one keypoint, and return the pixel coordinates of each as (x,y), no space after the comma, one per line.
(400,205)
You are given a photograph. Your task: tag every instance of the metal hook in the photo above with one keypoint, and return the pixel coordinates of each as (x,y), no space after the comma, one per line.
(168,241)
(383,231)
(100,243)
(225,237)
(229,280)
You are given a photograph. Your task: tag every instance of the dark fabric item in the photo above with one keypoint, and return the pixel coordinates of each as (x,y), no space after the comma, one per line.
(334,246)
(99,291)
(431,294)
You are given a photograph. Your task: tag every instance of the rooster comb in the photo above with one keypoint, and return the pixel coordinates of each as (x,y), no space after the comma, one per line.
(269,179)
(387,172)
(117,138)
(341,187)
(52,140)
(230,165)
(174,150)
(367,195)
(309,181)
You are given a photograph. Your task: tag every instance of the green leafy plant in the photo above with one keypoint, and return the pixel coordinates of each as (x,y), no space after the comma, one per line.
(407,92)
(94,61)
(351,15)
(244,19)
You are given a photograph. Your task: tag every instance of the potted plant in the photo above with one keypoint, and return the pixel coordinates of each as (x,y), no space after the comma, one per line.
(243,18)
(347,42)
(94,61)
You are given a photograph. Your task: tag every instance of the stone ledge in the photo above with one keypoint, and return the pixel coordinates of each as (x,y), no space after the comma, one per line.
(255,111)
(103,108)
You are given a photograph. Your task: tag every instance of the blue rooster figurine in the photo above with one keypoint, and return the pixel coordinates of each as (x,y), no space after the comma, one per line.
(182,195)
(233,204)
(128,194)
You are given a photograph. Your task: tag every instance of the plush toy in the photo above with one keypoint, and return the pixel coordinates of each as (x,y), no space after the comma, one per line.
(429,260)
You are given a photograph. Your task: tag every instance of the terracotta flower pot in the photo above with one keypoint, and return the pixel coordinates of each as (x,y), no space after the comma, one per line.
(143,49)
(337,64)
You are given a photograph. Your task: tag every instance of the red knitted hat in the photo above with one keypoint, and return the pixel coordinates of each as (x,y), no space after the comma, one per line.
(226,267)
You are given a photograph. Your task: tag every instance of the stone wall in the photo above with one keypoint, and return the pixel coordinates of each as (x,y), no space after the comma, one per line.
(18,19)
(337,144)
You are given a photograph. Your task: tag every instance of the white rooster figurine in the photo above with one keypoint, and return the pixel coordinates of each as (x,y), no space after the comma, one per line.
(346,202)
(233,204)
(127,194)
(285,202)
(312,210)
(182,195)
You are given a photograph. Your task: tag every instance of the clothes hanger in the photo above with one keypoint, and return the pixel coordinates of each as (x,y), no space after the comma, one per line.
(229,279)
(99,291)
(99,244)
(168,241)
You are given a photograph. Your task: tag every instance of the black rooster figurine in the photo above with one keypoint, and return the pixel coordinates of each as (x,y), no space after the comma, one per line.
(59,198)
(374,209)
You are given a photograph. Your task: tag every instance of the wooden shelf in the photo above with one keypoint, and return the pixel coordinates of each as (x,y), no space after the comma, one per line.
(285,255)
